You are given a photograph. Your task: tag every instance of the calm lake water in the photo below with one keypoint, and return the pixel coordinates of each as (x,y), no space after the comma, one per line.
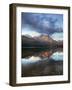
(41,62)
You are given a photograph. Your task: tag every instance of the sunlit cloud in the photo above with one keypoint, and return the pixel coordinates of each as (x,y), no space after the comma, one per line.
(28,30)
(31,33)
(57,36)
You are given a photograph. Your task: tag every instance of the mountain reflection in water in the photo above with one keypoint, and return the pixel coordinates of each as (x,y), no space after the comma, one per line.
(41,62)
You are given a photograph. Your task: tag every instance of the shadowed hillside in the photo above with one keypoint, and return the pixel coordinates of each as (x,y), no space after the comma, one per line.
(41,41)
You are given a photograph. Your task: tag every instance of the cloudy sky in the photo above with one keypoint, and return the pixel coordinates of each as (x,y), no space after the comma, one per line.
(36,24)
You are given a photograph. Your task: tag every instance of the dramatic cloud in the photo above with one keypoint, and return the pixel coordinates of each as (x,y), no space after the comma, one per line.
(43,23)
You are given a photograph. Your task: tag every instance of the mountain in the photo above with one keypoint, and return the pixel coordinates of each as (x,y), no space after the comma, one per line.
(31,42)
(40,41)
(45,38)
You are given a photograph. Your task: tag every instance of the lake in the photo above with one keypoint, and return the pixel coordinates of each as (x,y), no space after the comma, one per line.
(41,62)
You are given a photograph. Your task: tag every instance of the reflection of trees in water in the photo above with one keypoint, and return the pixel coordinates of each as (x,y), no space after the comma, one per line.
(41,52)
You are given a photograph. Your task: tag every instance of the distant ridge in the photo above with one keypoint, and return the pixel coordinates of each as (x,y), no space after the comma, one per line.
(39,41)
